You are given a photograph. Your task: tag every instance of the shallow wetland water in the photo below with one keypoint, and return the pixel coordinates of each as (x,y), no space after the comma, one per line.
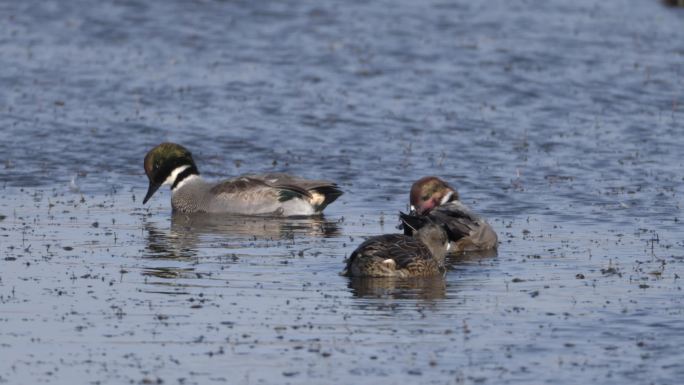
(559,122)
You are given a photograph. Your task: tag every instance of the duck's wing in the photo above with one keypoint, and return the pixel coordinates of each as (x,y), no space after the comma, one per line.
(255,190)
(319,192)
(410,250)
(403,250)
(456,218)
(465,229)
(473,232)
(398,247)
(412,222)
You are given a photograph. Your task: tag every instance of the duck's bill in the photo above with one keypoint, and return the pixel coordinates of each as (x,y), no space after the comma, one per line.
(150,191)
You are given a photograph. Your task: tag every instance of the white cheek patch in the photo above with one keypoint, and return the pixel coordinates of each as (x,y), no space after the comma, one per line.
(448,245)
(174,174)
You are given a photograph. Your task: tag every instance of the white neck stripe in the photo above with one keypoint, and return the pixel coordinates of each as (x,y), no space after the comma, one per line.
(174,174)
(446,198)
(184,181)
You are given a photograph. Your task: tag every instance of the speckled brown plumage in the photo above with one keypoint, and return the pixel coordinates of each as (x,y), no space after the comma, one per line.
(398,255)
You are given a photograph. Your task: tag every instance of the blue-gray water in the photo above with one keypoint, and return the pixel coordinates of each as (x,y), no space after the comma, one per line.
(561,122)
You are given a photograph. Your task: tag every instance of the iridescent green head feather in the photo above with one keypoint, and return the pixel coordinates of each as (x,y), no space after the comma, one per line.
(160,163)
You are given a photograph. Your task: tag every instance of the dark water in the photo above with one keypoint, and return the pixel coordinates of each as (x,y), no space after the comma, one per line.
(559,121)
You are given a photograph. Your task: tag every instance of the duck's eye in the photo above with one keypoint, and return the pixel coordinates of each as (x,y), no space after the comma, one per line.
(425,197)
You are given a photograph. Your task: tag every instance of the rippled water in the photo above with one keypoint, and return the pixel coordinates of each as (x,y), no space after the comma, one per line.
(559,121)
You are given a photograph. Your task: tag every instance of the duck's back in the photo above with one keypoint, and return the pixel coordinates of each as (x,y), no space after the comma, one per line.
(269,194)
(392,255)
(247,195)
(471,231)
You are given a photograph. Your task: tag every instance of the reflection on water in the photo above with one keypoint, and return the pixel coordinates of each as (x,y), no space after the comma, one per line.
(471,256)
(182,240)
(272,228)
(559,122)
(170,272)
(179,245)
(397,288)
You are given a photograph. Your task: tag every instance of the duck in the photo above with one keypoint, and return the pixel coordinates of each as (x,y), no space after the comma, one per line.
(432,200)
(272,194)
(674,3)
(400,255)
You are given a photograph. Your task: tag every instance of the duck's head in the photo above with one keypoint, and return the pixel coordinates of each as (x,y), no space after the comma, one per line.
(429,192)
(168,163)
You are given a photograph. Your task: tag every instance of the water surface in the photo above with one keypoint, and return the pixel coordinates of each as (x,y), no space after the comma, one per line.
(559,122)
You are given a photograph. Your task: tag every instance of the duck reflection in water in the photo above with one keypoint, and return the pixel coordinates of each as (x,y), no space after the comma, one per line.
(424,288)
(165,244)
(190,232)
(250,227)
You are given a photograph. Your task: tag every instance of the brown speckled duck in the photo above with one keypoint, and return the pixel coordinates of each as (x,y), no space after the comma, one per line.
(401,256)
(435,201)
